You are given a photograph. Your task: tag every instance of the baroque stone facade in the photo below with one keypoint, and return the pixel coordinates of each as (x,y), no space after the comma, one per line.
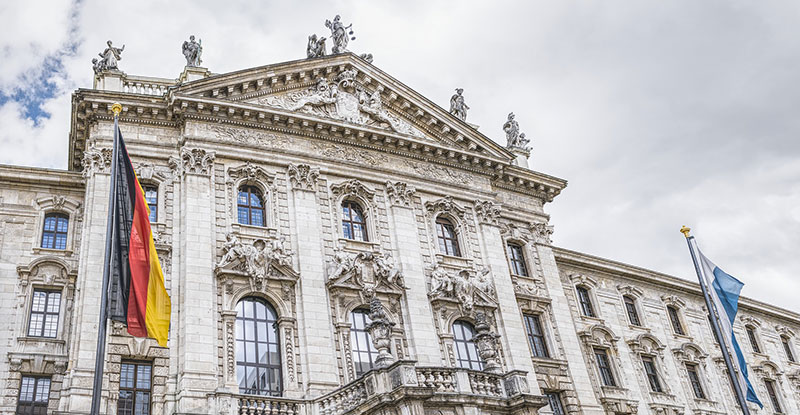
(373,204)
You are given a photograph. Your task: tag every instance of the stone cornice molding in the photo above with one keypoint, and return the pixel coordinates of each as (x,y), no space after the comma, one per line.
(784,331)
(584,280)
(750,321)
(646,344)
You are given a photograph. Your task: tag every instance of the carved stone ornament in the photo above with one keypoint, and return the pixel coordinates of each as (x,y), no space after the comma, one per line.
(462,286)
(353,187)
(445,205)
(340,34)
(343,98)
(646,344)
(96,160)
(250,172)
(542,232)
(259,260)
(487,211)
(486,343)
(315,47)
(197,161)
(109,59)
(620,406)
(380,330)
(400,193)
(457,105)
(366,271)
(514,138)
(192,51)
(302,176)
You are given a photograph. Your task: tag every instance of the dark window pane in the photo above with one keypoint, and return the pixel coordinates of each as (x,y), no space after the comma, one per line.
(652,375)
(151,198)
(250,206)
(585,302)
(773,396)
(554,399)
(536,337)
(604,367)
(787,348)
(354,223)
(630,308)
(447,237)
(694,379)
(751,334)
(467,353)
(517,260)
(675,320)
(258,361)
(54,231)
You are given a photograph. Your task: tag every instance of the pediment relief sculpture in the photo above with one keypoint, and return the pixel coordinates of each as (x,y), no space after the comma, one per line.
(647,344)
(260,260)
(599,335)
(149,171)
(343,98)
(524,288)
(353,187)
(365,271)
(445,205)
(249,171)
(48,271)
(465,287)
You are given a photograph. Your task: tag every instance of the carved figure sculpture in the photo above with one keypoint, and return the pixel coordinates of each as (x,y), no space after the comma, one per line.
(256,260)
(461,286)
(511,127)
(320,94)
(192,51)
(342,264)
(111,56)
(457,105)
(339,34)
(385,268)
(315,47)
(97,66)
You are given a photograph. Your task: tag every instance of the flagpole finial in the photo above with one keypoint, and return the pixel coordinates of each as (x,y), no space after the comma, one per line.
(685,231)
(116,108)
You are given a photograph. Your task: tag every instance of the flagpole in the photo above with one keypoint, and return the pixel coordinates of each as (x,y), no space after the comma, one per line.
(97,388)
(713,313)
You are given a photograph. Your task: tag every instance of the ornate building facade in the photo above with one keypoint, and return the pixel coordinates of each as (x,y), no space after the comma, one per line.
(334,242)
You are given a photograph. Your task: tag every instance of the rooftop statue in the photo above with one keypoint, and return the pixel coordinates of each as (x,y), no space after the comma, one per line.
(339,34)
(457,105)
(514,138)
(316,47)
(110,56)
(192,51)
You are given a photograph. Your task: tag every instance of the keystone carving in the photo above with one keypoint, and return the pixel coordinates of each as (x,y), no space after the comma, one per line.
(400,193)
(353,187)
(302,176)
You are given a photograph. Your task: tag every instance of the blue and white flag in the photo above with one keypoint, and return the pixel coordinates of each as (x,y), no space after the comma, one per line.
(724,292)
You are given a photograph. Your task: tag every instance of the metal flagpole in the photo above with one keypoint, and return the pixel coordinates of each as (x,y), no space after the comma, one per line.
(100,356)
(713,313)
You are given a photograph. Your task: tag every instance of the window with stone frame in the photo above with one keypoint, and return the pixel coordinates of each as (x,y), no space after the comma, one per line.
(151,198)
(45,309)
(787,348)
(258,354)
(585,301)
(447,236)
(555,402)
(516,258)
(34,395)
(675,320)
(354,222)
(466,353)
(773,396)
(694,379)
(135,388)
(364,352)
(630,309)
(751,335)
(250,206)
(536,336)
(652,374)
(54,231)
(604,367)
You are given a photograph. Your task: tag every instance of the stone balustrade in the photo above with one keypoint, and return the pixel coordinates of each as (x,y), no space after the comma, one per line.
(440,379)
(266,405)
(488,384)
(343,399)
(146,85)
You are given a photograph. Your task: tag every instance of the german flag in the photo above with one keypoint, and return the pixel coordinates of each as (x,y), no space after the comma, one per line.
(138,297)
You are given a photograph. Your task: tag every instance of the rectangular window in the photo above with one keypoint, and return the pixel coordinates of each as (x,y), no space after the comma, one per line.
(773,396)
(134,389)
(652,375)
(536,336)
(694,378)
(44,313)
(675,320)
(585,301)
(517,260)
(787,348)
(751,334)
(151,198)
(554,399)
(630,308)
(34,393)
(604,367)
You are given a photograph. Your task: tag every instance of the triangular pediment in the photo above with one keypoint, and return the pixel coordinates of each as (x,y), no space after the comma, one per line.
(349,91)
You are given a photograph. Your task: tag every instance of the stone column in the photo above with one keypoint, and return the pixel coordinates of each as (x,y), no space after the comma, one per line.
(564,322)
(422,341)
(509,326)
(314,316)
(195,333)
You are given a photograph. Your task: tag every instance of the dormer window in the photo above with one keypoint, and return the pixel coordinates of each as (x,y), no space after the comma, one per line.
(354,223)
(447,236)
(54,233)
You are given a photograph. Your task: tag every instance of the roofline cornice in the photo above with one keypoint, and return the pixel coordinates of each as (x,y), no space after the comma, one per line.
(39,176)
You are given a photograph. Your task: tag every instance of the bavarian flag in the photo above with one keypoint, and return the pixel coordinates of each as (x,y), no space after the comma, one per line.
(138,297)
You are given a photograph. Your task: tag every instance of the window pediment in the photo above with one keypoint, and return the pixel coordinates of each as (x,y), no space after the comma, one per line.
(630,290)
(51,271)
(646,344)
(690,352)
(599,335)
(673,300)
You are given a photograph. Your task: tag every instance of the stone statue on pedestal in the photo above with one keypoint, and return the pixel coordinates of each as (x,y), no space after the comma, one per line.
(514,139)
(192,51)
(457,105)
(316,47)
(339,34)
(110,56)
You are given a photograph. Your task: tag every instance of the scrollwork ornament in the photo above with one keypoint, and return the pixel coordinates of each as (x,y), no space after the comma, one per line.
(197,160)
(542,232)
(488,212)
(400,193)
(303,176)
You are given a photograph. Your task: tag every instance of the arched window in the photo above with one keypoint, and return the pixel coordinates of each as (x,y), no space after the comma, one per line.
(447,236)
(468,357)
(258,354)
(364,352)
(151,198)
(517,259)
(751,335)
(630,308)
(354,223)
(54,234)
(251,206)
(585,301)
(675,320)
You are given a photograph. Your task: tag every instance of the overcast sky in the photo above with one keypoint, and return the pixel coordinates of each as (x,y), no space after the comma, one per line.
(659,113)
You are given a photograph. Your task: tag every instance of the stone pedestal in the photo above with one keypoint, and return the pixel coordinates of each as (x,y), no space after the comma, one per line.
(522,156)
(109,81)
(193,73)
